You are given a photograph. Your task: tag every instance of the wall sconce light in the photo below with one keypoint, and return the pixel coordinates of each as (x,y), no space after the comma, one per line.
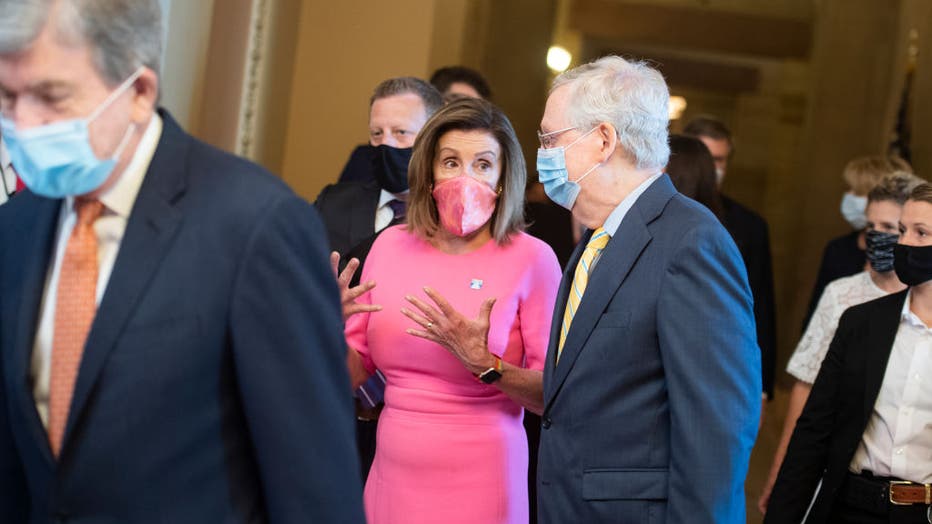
(677,106)
(558,59)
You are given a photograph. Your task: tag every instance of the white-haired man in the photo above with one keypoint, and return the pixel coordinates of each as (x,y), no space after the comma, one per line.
(170,342)
(652,383)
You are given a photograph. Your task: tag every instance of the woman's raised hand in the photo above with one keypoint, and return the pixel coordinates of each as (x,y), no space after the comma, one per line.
(465,338)
(348,295)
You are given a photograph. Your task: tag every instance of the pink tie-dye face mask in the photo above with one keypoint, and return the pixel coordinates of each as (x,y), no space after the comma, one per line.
(464,204)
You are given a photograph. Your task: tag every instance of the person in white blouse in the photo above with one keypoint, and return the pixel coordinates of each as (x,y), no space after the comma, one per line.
(885,203)
(865,429)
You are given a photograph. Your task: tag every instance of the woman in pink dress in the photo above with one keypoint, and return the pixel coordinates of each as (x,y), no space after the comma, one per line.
(451,446)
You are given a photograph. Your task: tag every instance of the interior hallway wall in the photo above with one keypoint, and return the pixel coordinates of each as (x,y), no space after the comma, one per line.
(187,33)
(343,50)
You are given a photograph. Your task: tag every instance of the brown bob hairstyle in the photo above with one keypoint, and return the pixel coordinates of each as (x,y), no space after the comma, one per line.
(467,114)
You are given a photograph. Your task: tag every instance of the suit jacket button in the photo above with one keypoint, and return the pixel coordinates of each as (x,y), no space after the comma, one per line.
(546,423)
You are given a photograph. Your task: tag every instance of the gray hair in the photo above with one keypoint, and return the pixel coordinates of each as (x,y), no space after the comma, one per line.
(630,95)
(122,34)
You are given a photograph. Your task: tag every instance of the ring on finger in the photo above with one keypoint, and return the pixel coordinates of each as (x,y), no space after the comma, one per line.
(430,325)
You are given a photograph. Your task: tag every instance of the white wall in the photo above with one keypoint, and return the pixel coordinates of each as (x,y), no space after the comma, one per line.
(187,34)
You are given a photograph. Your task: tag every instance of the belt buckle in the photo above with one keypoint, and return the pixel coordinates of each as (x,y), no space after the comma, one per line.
(898,483)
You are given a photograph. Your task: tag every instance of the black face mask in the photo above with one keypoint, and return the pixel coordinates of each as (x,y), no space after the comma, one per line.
(880,249)
(390,165)
(913,264)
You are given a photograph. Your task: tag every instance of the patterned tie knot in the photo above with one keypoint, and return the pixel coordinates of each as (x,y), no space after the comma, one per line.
(88,210)
(398,207)
(599,240)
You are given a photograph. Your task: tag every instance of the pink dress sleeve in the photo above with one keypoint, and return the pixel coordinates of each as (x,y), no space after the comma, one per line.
(356,329)
(536,308)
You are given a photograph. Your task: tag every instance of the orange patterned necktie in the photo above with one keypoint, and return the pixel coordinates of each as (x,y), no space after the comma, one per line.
(76,304)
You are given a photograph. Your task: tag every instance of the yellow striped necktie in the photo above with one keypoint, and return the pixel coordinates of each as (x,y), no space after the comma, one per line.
(593,248)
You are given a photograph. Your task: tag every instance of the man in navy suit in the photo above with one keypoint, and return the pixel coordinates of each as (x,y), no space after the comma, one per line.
(652,383)
(170,330)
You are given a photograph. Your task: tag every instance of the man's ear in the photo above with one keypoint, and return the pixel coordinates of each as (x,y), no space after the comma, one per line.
(609,138)
(145,95)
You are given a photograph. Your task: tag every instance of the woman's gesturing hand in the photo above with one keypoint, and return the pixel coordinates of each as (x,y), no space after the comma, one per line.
(348,295)
(466,339)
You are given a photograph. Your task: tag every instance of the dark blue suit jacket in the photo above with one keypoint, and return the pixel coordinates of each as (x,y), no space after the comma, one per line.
(213,385)
(652,411)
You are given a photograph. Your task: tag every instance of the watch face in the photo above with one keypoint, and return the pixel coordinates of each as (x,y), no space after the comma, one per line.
(490,375)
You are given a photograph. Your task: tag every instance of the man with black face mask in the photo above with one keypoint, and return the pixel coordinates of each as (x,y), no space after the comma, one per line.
(353,211)
(882,215)
(864,431)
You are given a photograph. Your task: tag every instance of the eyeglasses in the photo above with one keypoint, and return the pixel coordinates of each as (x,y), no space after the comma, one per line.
(547,140)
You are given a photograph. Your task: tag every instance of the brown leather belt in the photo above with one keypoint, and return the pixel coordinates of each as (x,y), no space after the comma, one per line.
(903,493)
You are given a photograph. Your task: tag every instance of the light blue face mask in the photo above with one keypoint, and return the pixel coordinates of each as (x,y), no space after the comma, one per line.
(551,168)
(56,160)
(853,208)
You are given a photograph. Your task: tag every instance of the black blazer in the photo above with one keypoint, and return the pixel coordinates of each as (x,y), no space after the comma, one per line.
(750,232)
(348,211)
(213,385)
(832,423)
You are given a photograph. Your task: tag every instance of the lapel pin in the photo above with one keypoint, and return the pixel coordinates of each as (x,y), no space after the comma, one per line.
(475,284)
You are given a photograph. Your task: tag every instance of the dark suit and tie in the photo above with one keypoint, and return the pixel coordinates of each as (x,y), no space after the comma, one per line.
(652,404)
(750,232)
(212,383)
(348,211)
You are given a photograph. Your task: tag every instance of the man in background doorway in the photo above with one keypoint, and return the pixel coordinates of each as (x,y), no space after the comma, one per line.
(456,81)
(372,191)
(752,236)
(356,211)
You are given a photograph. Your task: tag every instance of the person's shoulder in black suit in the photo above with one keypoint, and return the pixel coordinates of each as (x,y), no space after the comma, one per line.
(741,219)
(348,212)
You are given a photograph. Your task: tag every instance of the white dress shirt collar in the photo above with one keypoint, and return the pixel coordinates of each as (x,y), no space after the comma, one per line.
(5,161)
(6,171)
(908,317)
(385,197)
(613,222)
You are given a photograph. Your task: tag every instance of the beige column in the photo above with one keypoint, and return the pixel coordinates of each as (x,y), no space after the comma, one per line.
(343,50)
(854,80)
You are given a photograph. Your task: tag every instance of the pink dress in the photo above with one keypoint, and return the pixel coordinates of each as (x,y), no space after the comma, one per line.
(449,448)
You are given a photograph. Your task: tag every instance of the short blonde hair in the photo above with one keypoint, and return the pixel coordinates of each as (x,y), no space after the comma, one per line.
(467,114)
(922,193)
(863,173)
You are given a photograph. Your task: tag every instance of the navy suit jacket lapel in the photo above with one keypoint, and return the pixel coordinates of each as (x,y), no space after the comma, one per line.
(612,268)
(38,245)
(149,233)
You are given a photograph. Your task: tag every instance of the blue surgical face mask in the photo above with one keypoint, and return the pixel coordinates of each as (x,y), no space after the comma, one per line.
(551,168)
(853,208)
(56,160)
